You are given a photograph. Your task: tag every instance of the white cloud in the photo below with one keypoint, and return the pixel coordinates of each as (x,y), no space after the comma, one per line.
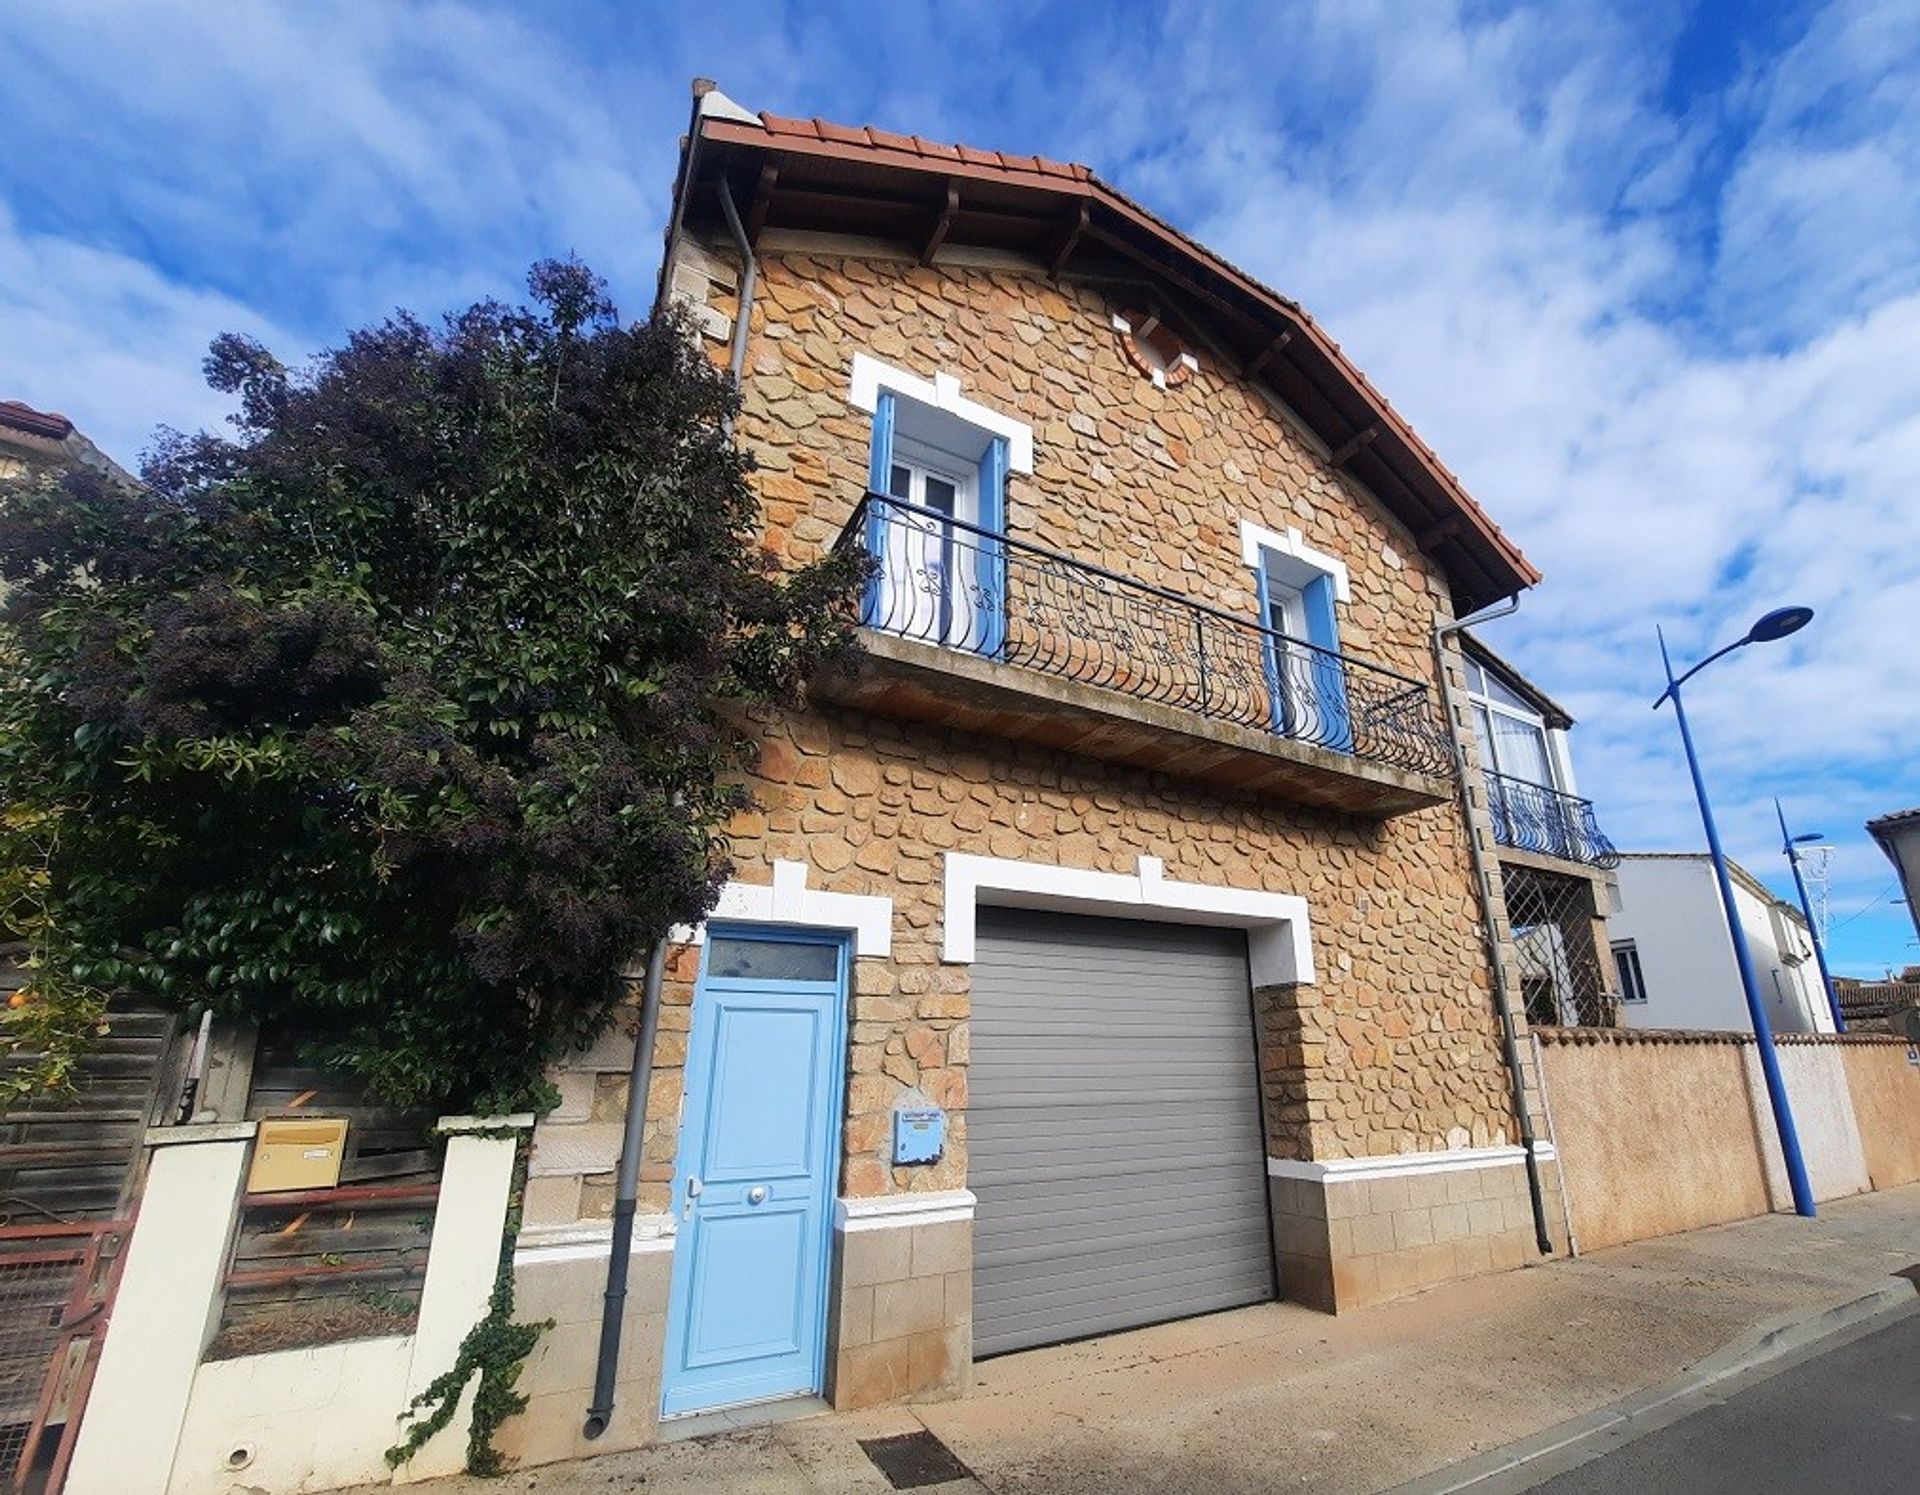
(290,171)
(1669,347)
(1665,456)
(107,341)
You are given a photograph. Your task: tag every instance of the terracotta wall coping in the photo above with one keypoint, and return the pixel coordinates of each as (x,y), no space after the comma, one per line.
(1652,1036)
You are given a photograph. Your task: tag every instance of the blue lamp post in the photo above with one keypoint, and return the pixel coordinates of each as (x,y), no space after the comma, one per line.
(1790,844)
(1774,625)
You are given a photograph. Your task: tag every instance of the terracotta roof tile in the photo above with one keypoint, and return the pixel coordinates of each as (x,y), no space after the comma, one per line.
(844,134)
(873,137)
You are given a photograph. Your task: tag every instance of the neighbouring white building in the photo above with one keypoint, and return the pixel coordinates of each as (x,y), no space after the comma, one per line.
(1899,837)
(1675,960)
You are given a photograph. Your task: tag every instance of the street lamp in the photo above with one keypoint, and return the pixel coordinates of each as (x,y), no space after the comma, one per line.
(1770,626)
(1790,845)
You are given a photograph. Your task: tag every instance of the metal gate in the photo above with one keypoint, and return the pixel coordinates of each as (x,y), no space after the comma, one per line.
(56,1291)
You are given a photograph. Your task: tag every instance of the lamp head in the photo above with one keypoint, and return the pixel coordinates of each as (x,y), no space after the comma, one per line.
(1809,836)
(1778,624)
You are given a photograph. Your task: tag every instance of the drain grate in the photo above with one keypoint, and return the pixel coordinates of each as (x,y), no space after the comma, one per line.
(913,1461)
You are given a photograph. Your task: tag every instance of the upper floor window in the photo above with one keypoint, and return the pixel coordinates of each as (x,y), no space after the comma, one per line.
(944,461)
(1299,589)
(1513,736)
(1626,960)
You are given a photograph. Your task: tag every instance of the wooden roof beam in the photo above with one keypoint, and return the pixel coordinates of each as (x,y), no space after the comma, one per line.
(762,199)
(1070,242)
(942,225)
(1344,453)
(1267,354)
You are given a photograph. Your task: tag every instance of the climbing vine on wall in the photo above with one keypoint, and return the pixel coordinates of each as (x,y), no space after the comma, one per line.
(494,1349)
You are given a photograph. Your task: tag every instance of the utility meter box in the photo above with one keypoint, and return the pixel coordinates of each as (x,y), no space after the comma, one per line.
(919,1134)
(303,1152)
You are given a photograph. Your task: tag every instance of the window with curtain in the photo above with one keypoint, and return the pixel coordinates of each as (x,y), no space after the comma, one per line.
(1512,735)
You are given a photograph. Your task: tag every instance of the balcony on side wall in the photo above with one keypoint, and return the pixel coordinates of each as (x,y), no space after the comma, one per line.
(1533,818)
(968,628)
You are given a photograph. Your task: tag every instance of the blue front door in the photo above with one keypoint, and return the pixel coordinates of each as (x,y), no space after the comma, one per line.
(753,1185)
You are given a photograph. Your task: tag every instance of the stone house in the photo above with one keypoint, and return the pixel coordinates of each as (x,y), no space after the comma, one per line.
(1106,947)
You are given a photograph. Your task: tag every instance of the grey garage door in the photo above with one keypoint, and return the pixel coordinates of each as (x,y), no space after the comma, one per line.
(1113,1128)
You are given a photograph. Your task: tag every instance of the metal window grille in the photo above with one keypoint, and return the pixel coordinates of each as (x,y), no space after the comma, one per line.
(1562,975)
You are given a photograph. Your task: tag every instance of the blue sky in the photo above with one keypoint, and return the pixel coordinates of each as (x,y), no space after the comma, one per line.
(1647,276)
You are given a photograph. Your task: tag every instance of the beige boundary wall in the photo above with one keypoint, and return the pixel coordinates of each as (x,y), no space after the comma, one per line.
(161,1419)
(1662,1131)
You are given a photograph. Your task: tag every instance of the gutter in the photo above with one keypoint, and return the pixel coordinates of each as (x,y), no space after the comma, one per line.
(1509,1039)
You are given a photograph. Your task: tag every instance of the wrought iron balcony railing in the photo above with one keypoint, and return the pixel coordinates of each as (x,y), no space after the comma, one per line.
(1531,817)
(944,581)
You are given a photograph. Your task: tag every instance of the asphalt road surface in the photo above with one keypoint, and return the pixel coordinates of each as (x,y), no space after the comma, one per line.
(1844,1423)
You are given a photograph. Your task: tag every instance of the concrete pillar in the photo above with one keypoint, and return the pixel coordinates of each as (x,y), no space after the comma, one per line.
(462,1262)
(165,1310)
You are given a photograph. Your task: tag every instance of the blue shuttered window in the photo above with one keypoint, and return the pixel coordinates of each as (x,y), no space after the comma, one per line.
(991,634)
(879,477)
(1329,679)
(1276,694)
(1307,688)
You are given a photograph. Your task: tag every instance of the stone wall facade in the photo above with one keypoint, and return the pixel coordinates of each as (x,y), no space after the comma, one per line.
(1393,1049)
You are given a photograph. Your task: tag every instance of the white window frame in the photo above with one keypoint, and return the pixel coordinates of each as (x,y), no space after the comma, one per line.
(923,461)
(1289,560)
(942,393)
(1550,748)
(1631,950)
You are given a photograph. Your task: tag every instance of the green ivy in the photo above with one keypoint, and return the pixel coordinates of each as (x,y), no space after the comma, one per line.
(495,1349)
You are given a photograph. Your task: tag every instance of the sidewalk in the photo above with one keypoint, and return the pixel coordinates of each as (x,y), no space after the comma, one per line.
(1281,1398)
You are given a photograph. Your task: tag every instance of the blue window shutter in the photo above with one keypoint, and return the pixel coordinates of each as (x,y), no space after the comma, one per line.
(880,464)
(990,634)
(1329,675)
(879,479)
(1270,650)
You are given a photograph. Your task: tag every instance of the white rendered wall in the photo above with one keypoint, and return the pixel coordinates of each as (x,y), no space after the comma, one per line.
(1670,909)
(288,1421)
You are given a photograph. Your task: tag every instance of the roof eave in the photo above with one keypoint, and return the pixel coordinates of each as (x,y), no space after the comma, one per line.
(1481,563)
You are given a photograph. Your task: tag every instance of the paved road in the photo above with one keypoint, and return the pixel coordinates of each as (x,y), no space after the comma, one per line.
(1846,1421)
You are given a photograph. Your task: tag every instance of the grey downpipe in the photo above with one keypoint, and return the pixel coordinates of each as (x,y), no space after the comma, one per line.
(749,275)
(1509,1041)
(626,1190)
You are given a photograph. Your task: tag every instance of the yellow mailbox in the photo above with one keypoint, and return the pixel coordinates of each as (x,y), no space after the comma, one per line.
(297,1152)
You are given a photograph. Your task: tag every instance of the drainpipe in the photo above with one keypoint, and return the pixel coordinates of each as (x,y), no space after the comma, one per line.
(626,1190)
(1509,1040)
(749,274)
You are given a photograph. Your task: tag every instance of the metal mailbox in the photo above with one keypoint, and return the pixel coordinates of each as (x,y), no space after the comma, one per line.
(919,1134)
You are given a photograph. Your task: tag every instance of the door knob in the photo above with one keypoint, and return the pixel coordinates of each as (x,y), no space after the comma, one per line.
(757,1194)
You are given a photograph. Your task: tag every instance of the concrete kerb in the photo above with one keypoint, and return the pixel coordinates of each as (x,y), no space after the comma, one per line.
(1761,1351)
